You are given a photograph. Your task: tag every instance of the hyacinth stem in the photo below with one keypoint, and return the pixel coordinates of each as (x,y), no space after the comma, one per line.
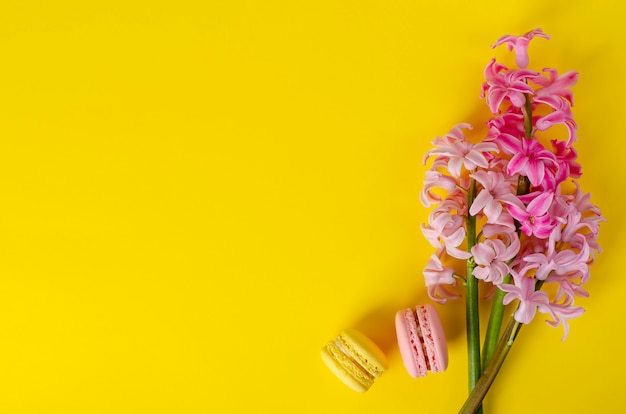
(495,323)
(528,117)
(474,401)
(471,300)
(497,308)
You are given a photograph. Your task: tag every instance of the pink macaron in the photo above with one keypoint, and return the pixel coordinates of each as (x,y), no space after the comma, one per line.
(421,340)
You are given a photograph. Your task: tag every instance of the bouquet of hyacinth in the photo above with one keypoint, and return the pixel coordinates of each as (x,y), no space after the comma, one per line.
(509,212)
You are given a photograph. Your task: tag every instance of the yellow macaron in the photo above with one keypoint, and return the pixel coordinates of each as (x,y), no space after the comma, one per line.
(355,359)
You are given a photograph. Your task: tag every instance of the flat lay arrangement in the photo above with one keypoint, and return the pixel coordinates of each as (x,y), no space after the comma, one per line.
(327,206)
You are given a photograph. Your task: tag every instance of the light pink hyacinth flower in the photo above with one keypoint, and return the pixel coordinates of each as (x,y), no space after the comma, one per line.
(438,277)
(561,262)
(491,257)
(561,314)
(454,151)
(446,231)
(435,180)
(529,299)
(496,189)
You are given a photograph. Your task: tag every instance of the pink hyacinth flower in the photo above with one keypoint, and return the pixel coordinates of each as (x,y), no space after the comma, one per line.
(555,91)
(495,190)
(455,134)
(509,85)
(491,257)
(445,230)
(507,123)
(435,180)
(569,288)
(437,276)
(530,158)
(523,289)
(465,154)
(566,159)
(535,219)
(563,117)
(562,262)
(453,152)
(580,218)
(561,314)
(520,45)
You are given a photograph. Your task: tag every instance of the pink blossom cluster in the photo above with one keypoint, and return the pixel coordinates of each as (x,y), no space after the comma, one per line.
(519,182)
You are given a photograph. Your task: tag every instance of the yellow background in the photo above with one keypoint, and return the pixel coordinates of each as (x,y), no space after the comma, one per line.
(196,196)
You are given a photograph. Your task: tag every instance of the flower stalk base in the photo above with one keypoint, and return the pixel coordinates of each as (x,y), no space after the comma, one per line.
(474,401)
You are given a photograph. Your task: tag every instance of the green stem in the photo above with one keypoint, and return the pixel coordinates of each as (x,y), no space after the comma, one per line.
(474,401)
(495,323)
(497,308)
(471,300)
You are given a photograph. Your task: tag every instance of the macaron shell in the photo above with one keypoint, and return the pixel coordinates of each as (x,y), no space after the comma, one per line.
(433,337)
(363,350)
(410,344)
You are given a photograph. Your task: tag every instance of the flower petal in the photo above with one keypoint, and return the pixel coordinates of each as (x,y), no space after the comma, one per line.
(540,205)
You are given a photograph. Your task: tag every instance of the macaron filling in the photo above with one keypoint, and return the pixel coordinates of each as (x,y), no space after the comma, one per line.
(355,359)
(417,342)
(426,335)
(339,352)
(360,355)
